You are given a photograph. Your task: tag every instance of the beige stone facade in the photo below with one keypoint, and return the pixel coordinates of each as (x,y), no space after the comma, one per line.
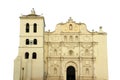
(71,52)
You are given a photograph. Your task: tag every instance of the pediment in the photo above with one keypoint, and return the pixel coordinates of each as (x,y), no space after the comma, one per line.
(71,27)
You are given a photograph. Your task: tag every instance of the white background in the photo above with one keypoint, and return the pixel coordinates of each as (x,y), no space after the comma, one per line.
(93,13)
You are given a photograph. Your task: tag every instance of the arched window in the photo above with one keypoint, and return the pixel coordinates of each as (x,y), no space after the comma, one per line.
(35,41)
(34,55)
(35,28)
(27,41)
(27,27)
(26,55)
(70,27)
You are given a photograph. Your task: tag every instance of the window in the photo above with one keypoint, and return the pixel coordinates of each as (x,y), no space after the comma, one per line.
(26,55)
(35,41)
(34,55)
(27,41)
(27,27)
(70,27)
(35,27)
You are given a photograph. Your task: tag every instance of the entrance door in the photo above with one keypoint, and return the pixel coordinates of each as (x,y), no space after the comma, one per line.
(70,73)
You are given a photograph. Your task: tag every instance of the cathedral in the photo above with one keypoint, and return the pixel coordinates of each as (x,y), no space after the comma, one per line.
(70,52)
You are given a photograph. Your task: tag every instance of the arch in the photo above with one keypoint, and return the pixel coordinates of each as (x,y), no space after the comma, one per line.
(35,41)
(73,64)
(35,27)
(70,73)
(27,41)
(27,27)
(34,55)
(26,55)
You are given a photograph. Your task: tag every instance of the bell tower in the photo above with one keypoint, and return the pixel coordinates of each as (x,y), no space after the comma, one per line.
(29,63)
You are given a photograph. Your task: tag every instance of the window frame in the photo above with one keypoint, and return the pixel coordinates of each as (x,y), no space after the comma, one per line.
(27,28)
(34,55)
(26,55)
(35,28)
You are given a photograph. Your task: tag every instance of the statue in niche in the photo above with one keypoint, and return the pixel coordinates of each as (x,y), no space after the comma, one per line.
(87,52)
(76,38)
(70,52)
(87,71)
(65,38)
(55,52)
(55,70)
(71,38)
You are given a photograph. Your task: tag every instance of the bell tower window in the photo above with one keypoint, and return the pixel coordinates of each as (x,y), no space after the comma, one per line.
(27,27)
(35,41)
(26,55)
(34,55)
(27,41)
(35,27)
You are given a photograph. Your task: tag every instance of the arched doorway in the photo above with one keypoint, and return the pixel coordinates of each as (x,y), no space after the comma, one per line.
(70,74)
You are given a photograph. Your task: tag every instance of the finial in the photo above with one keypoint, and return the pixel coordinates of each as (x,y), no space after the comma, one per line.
(32,11)
(21,14)
(41,14)
(70,19)
(49,30)
(100,29)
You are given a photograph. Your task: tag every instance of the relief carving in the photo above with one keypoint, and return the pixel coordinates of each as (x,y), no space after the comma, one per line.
(71,45)
(87,49)
(55,49)
(54,68)
(86,38)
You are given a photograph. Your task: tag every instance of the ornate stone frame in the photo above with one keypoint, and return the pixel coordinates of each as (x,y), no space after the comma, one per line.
(71,63)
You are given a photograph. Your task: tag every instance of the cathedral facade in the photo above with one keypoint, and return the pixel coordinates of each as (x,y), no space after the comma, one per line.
(70,52)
